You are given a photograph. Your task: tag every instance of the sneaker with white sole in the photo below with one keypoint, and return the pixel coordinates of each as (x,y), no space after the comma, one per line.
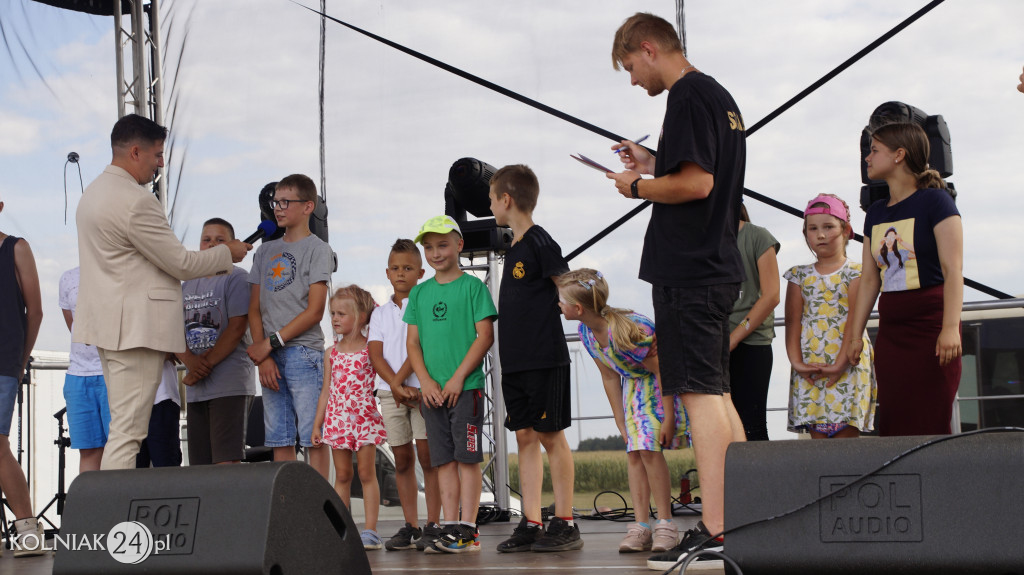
(666,535)
(431,531)
(370,539)
(697,539)
(461,539)
(638,538)
(30,537)
(405,538)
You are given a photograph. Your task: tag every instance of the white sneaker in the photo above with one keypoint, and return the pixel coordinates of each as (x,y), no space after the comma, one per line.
(30,537)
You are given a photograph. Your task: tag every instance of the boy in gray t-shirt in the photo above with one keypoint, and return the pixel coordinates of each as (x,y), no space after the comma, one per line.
(288,295)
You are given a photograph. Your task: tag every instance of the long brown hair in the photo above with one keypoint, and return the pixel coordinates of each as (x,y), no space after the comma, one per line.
(588,288)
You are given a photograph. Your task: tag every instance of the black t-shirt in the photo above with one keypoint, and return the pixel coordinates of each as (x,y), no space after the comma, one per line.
(694,243)
(529,325)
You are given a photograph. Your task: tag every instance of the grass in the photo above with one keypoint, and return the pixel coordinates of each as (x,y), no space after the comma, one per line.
(598,471)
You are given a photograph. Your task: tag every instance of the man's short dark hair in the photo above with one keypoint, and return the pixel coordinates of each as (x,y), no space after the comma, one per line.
(220,222)
(134,128)
(303,185)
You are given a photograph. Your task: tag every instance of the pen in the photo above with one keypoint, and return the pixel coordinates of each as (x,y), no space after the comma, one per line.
(637,141)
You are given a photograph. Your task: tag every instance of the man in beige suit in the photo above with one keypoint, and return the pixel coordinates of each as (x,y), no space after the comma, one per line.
(129,298)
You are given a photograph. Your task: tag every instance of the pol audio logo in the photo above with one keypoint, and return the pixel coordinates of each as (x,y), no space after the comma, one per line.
(130,542)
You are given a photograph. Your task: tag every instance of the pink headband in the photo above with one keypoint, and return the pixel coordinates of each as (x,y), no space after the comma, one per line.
(835,208)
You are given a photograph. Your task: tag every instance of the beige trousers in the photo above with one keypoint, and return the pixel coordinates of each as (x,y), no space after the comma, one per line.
(132,377)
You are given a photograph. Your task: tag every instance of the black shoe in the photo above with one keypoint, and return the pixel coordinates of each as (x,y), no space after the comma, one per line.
(559,537)
(431,531)
(404,539)
(460,539)
(697,539)
(523,538)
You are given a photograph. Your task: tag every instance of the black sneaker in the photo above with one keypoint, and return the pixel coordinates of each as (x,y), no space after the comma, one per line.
(461,539)
(559,537)
(523,538)
(430,534)
(697,539)
(435,541)
(404,539)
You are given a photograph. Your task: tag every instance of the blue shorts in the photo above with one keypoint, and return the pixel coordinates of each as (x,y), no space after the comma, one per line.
(8,395)
(88,410)
(302,377)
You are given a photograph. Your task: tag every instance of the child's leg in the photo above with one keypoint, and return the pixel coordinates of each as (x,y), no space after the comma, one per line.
(531,472)
(343,475)
(639,488)
(366,458)
(448,482)
(320,459)
(431,491)
(656,469)
(563,471)
(405,479)
(735,424)
(471,480)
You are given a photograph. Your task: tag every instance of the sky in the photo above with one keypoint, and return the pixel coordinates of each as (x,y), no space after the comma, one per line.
(246,113)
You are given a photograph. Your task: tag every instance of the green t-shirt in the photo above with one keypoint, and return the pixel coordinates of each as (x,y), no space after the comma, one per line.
(753,242)
(445,316)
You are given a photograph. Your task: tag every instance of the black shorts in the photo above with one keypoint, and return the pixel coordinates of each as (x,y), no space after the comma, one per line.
(693,337)
(537,398)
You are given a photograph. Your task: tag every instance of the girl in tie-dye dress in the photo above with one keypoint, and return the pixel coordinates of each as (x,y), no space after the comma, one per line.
(620,341)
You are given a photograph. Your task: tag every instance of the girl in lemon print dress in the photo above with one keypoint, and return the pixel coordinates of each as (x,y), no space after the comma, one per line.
(828,397)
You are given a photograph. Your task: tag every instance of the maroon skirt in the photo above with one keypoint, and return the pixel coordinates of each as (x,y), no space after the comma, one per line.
(915,393)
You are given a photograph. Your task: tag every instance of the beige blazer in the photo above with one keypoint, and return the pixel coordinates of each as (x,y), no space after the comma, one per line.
(132,268)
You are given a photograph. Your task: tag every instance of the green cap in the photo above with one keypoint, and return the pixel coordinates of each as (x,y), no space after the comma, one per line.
(438,225)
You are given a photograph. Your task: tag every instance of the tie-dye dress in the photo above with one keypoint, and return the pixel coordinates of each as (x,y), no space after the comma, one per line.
(641,391)
(352,419)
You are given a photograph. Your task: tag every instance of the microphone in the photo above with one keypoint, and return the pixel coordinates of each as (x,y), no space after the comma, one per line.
(73,157)
(266,228)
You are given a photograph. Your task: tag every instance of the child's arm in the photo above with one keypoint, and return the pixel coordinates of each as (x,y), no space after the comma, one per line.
(400,393)
(613,389)
(860,309)
(768,274)
(430,389)
(321,405)
(307,318)
(794,313)
(475,355)
(267,366)
(949,239)
(835,371)
(668,404)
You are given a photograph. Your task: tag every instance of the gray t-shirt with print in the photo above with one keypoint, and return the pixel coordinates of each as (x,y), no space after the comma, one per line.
(284,272)
(209,304)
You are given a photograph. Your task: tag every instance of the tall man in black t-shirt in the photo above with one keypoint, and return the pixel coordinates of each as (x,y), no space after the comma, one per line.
(690,256)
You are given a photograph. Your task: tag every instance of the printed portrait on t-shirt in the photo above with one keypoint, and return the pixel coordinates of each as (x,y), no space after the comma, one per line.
(893,248)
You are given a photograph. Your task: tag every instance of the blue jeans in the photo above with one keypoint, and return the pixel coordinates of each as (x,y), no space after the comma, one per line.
(8,396)
(292,408)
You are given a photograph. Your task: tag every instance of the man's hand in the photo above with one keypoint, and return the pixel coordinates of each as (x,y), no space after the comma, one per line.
(623,180)
(238,250)
(635,157)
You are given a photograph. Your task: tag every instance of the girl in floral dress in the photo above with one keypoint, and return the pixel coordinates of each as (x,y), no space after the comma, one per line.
(346,417)
(828,396)
(621,343)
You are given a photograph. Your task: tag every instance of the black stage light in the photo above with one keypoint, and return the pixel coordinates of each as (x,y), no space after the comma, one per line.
(469,183)
(940,157)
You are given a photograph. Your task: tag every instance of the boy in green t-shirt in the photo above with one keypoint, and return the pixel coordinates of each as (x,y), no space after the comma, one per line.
(450,319)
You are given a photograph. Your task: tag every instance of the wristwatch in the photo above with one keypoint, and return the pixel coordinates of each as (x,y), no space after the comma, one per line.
(633,191)
(275,340)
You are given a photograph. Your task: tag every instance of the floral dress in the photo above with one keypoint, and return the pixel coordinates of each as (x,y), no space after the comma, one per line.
(851,401)
(352,420)
(641,391)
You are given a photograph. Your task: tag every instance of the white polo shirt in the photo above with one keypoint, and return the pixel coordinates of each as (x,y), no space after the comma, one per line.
(387,327)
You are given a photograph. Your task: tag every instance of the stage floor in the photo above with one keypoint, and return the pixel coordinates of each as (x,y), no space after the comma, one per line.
(599,555)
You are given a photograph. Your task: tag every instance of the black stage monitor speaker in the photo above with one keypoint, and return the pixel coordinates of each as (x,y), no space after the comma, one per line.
(269,518)
(954,507)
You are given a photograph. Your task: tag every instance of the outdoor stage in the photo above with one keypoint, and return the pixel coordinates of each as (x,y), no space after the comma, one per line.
(599,555)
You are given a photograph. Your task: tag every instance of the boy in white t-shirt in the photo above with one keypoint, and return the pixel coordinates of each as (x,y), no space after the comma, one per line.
(399,392)
(85,392)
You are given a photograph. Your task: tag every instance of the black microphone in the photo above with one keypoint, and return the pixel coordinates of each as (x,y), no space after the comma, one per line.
(73,158)
(265,229)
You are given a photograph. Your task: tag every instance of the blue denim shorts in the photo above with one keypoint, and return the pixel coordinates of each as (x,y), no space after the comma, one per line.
(88,410)
(8,395)
(693,337)
(295,402)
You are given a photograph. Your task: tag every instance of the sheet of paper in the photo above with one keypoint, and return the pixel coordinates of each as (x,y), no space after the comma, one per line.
(590,163)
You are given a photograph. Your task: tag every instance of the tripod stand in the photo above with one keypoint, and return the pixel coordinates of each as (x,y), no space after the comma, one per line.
(62,442)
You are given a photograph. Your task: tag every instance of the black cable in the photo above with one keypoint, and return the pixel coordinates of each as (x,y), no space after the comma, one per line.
(615,137)
(72,159)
